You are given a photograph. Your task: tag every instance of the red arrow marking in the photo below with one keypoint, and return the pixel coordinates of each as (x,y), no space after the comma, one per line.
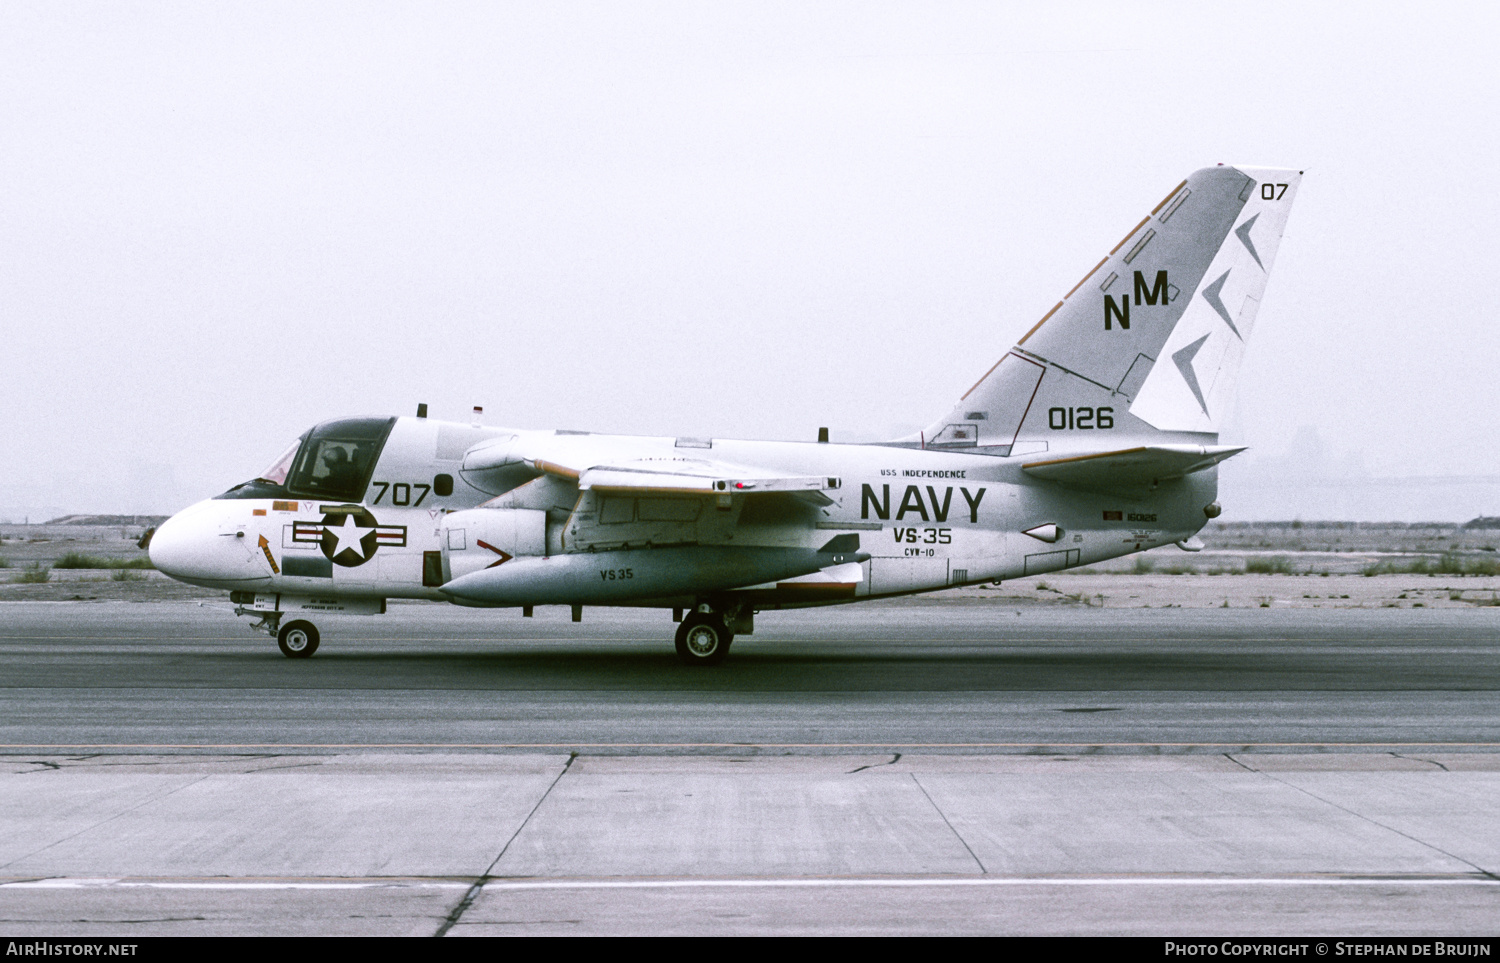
(504,556)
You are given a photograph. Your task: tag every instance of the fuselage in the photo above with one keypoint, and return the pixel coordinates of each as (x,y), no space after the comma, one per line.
(403,511)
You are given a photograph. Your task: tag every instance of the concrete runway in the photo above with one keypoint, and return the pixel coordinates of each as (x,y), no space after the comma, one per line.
(888,768)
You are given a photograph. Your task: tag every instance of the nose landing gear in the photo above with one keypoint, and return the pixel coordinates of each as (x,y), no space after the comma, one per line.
(298,639)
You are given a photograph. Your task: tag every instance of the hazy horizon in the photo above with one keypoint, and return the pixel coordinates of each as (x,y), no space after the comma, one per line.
(225,224)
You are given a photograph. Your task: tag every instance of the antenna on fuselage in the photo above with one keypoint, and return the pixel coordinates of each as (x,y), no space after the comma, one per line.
(421,410)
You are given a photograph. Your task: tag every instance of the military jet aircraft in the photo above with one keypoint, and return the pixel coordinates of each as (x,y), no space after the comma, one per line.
(1095,436)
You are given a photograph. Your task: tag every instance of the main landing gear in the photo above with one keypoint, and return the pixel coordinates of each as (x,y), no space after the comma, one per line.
(703,639)
(706,633)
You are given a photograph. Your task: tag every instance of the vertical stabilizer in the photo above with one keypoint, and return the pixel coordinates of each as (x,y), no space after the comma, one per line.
(1195,391)
(1148,345)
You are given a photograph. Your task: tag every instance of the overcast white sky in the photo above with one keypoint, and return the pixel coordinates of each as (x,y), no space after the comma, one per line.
(223,223)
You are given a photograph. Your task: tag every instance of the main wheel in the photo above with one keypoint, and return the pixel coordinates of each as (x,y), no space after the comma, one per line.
(703,640)
(298,639)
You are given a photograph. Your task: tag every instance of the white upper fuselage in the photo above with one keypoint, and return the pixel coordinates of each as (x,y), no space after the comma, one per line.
(927,519)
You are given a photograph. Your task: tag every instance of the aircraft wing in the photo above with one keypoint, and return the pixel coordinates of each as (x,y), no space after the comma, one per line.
(1130,467)
(612,468)
(702,478)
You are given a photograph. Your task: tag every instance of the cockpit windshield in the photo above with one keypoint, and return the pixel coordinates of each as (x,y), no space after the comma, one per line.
(337,458)
(332,461)
(276,474)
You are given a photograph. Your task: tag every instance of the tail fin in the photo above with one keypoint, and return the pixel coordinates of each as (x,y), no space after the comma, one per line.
(1148,345)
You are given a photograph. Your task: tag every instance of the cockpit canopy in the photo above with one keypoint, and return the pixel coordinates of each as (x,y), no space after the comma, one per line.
(333,461)
(277,473)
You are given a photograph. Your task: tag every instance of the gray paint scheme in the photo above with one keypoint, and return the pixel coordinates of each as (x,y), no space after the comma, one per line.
(1083,368)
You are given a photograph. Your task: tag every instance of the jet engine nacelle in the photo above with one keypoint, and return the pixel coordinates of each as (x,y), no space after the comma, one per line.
(481,538)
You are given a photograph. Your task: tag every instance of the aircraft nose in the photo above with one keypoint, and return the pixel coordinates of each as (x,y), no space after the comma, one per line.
(175,545)
(206,545)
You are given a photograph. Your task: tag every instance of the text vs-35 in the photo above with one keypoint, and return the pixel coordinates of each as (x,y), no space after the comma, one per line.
(930,536)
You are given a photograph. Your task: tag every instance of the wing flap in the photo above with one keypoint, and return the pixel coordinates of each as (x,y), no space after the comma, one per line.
(1130,467)
(636,482)
(614,467)
(703,478)
(639,466)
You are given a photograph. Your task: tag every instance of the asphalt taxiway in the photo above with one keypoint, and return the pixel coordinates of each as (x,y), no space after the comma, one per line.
(883,675)
(889,768)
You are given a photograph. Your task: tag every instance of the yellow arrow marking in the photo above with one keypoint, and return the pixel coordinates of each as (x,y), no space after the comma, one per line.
(265,546)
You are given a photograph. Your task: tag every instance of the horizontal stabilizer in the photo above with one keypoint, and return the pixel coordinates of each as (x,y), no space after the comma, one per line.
(1130,467)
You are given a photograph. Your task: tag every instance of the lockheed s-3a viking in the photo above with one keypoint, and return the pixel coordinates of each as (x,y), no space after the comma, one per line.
(1095,436)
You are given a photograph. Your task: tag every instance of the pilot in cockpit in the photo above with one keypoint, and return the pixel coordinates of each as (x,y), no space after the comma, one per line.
(338,468)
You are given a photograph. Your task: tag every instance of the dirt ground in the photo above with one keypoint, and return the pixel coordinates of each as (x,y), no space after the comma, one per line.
(1243,591)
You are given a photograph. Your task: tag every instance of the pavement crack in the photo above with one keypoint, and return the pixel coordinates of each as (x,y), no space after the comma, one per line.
(1240,764)
(944,816)
(1375,822)
(159,919)
(281,768)
(46,766)
(87,829)
(474,890)
(1419,759)
(895,758)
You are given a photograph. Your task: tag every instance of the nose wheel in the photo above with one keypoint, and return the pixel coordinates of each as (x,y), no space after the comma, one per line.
(297,639)
(703,639)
